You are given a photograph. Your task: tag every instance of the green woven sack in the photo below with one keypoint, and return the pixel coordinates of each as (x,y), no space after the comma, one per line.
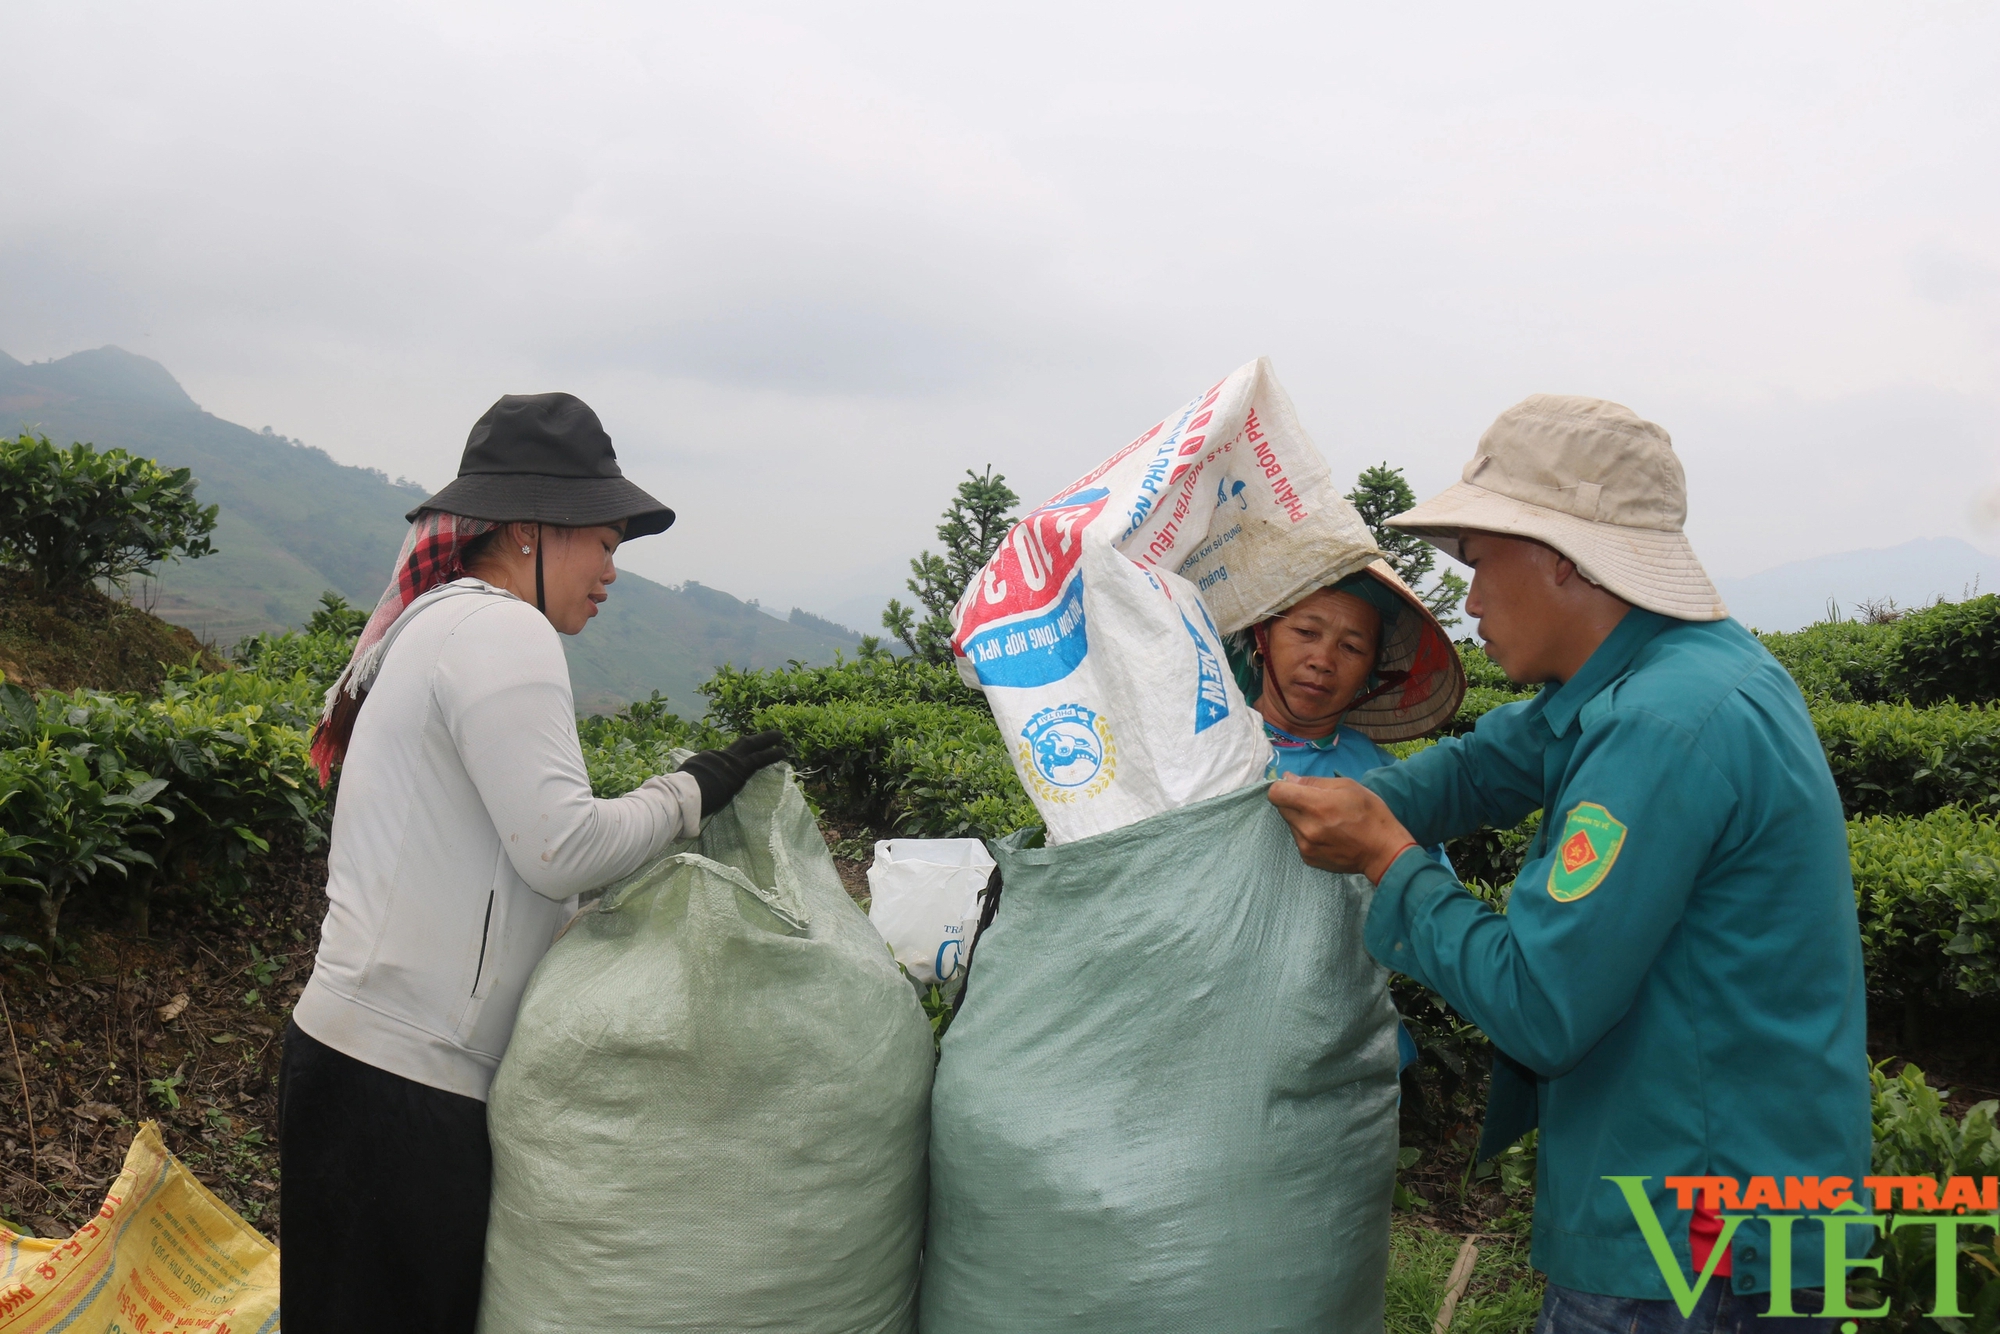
(713,1112)
(1168,1102)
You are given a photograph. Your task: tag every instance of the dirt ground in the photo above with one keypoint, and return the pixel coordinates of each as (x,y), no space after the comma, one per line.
(61,641)
(183,1028)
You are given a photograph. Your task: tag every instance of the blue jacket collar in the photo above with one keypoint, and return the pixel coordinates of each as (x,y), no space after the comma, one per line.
(1561,702)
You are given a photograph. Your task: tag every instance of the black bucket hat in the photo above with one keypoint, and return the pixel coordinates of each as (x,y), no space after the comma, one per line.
(545,458)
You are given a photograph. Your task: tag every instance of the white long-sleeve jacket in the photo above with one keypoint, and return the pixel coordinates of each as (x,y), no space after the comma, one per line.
(463,830)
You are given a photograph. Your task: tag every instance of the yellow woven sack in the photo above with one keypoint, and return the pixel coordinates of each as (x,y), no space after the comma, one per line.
(162,1254)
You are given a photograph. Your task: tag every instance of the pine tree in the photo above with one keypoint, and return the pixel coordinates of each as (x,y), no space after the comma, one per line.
(973,525)
(1381,492)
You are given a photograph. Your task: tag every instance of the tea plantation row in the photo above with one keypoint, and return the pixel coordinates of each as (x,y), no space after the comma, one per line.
(120,796)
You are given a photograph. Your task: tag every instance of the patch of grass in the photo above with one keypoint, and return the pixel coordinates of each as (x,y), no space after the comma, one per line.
(1502,1298)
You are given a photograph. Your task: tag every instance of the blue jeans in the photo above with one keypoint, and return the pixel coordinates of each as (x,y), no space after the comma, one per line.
(1720,1311)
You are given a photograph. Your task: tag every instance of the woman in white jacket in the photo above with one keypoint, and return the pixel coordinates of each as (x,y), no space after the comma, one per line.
(463,831)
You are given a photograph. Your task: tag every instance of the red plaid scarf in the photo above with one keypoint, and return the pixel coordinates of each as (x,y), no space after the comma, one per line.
(433,555)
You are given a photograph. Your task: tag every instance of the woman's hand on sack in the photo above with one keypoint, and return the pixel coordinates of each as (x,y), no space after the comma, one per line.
(721,774)
(1340,825)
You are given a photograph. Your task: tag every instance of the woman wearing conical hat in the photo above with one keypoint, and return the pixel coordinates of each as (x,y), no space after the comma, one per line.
(1347,667)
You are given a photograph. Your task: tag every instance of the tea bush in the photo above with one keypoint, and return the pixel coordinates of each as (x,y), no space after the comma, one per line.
(71,816)
(71,516)
(1916,1136)
(1897,759)
(216,774)
(959,786)
(938,770)
(308,663)
(1846,662)
(735,695)
(846,749)
(879,759)
(1949,652)
(623,750)
(1481,672)
(1928,892)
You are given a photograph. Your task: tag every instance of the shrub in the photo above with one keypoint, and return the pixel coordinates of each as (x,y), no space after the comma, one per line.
(1949,651)
(1929,901)
(625,749)
(959,786)
(1478,702)
(72,516)
(317,656)
(1915,1136)
(288,699)
(1481,670)
(1895,759)
(1452,1052)
(226,774)
(735,695)
(336,618)
(71,815)
(1491,856)
(858,757)
(1840,661)
(233,777)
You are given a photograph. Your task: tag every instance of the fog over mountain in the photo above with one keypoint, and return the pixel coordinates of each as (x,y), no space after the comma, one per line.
(1913,574)
(295,523)
(811,263)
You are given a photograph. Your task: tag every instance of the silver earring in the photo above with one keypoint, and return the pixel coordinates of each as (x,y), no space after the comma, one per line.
(527,551)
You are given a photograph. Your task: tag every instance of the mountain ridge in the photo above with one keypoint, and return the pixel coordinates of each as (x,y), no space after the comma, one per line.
(294,522)
(1911,574)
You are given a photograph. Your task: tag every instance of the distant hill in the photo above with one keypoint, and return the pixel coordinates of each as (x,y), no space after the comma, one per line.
(1914,574)
(295,523)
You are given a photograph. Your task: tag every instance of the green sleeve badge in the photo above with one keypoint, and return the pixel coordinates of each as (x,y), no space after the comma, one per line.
(1589,845)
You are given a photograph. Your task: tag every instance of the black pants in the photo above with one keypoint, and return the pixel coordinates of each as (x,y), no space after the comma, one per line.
(385,1189)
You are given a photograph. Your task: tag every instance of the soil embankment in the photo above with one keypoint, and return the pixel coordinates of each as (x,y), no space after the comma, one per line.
(86,639)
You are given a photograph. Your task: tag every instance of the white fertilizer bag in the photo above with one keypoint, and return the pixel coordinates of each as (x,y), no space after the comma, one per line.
(1096,629)
(923,896)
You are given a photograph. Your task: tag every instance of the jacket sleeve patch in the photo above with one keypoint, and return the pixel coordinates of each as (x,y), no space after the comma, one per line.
(1589,844)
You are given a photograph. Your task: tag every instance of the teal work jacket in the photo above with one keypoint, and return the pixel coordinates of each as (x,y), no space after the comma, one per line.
(1676,984)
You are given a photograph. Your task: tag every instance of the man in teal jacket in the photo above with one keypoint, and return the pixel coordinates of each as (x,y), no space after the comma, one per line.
(1676,986)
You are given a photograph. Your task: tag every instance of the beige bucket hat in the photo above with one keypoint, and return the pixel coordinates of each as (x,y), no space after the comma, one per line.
(1595,481)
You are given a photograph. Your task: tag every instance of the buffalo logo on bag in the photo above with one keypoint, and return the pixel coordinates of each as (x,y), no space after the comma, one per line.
(1009,630)
(1069,749)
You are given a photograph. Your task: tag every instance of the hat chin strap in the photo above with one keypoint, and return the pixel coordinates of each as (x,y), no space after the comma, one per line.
(541,602)
(1261,636)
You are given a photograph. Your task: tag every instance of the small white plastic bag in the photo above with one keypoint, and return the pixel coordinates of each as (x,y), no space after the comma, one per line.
(925,902)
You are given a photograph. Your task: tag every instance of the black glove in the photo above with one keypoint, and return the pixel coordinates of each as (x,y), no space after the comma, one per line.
(721,774)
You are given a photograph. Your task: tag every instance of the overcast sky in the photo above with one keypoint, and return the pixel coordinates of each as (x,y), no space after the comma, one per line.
(809,263)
